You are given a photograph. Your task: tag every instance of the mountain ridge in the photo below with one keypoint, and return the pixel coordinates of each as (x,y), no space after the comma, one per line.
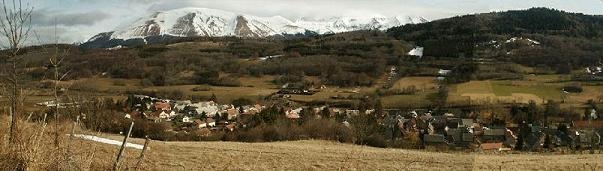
(206,22)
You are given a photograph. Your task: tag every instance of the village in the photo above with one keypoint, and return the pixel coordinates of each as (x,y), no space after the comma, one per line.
(434,131)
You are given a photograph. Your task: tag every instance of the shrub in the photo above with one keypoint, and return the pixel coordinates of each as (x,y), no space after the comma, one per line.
(573,88)
(228,82)
(375,140)
(271,133)
(241,102)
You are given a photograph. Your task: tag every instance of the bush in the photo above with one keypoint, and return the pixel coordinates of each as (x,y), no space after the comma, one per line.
(242,102)
(271,133)
(573,88)
(252,135)
(228,82)
(375,140)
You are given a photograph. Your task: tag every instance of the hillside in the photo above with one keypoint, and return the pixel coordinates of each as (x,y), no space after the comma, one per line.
(325,155)
(563,38)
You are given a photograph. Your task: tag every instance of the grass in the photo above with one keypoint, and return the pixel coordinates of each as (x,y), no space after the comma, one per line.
(421,83)
(544,91)
(327,155)
(478,87)
(405,101)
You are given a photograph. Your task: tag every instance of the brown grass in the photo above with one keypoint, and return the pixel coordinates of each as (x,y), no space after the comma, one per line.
(326,155)
(421,83)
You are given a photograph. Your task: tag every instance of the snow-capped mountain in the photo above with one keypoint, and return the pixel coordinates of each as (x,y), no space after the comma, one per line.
(189,22)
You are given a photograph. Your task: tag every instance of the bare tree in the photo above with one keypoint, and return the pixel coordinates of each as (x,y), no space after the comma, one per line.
(15,26)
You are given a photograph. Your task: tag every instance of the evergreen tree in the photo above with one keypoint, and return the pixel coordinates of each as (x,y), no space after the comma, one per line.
(213,98)
(203,115)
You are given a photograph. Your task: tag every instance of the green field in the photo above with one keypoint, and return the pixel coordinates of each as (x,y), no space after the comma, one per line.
(544,91)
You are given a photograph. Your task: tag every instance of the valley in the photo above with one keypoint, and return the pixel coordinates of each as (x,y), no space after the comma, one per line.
(218,90)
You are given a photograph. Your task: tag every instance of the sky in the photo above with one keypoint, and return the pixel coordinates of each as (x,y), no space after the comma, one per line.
(73,21)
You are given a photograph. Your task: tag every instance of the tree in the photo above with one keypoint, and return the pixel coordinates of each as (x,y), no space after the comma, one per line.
(325,113)
(206,77)
(241,102)
(15,27)
(551,109)
(203,115)
(213,98)
(56,62)
(533,112)
(439,98)
(306,115)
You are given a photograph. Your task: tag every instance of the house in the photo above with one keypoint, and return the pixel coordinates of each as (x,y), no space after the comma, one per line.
(466,123)
(210,122)
(494,135)
(595,124)
(443,72)
(136,114)
(352,112)
(199,123)
(491,146)
(318,110)
(587,138)
(159,106)
(232,113)
(459,137)
(163,114)
(204,124)
(434,140)
(453,122)
(535,139)
(293,114)
(180,106)
(186,119)
(252,110)
(209,108)
(230,127)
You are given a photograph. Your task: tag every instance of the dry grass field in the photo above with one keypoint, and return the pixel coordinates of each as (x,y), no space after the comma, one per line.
(506,91)
(326,155)
(421,83)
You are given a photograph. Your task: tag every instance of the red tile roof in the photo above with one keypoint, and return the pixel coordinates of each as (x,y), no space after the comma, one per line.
(162,106)
(491,146)
(585,124)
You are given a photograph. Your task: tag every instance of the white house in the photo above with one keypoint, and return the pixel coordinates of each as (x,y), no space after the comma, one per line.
(444,72)
(293,114)
(164,115)
(186,119)
(210,108)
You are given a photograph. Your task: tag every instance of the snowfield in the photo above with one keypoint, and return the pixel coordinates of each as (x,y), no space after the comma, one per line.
(190,21)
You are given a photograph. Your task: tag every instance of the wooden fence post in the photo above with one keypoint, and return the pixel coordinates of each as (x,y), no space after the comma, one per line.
(123,146)
(144,148)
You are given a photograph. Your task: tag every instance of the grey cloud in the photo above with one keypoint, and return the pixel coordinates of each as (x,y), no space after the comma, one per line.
(49,18)
(51,34)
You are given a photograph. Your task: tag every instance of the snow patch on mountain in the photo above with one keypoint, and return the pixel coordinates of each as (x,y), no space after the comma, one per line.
(417,51)
(187,22)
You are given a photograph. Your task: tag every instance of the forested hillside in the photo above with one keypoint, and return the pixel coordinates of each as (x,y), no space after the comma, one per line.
(560,37)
